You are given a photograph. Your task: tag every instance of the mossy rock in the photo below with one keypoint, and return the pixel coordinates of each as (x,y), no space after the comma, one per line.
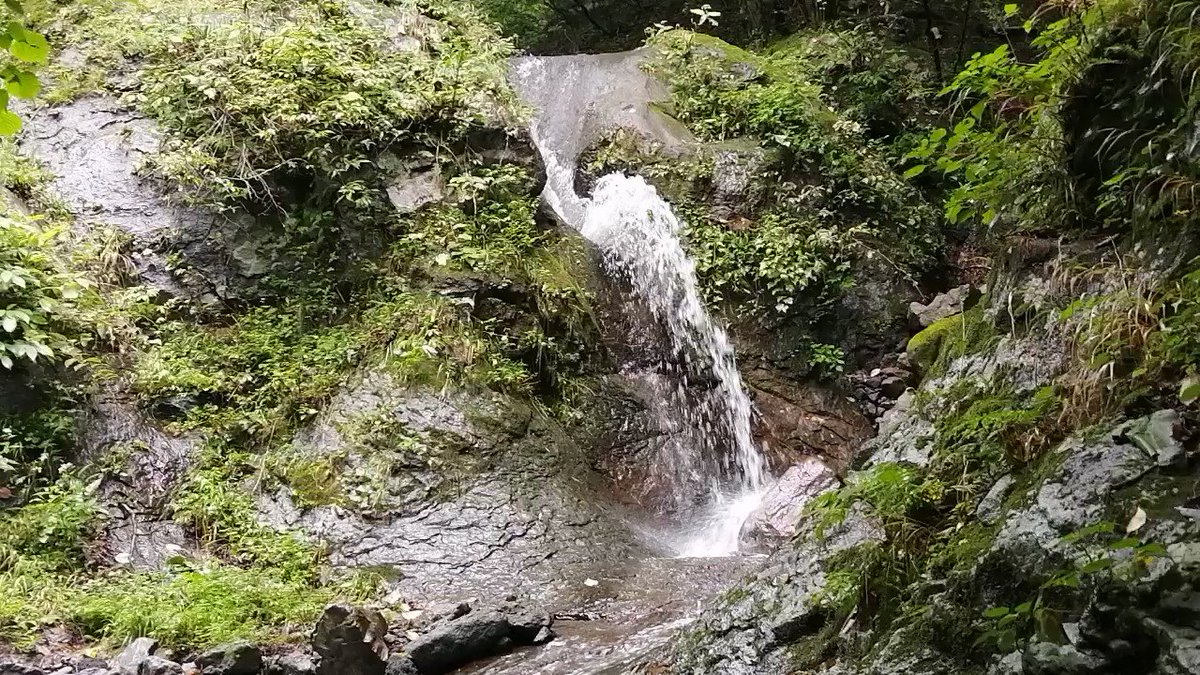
(924,347)
(944,340)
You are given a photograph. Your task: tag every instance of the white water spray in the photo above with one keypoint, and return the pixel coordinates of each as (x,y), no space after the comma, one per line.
(710,463)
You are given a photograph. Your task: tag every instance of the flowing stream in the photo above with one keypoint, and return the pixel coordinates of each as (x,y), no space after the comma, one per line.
(709,466)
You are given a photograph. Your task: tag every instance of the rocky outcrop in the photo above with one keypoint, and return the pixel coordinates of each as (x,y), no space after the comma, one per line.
(487,487)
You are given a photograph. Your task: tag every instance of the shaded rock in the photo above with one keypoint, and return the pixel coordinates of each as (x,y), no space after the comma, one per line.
(238,658)
(460,641)
(401,664)
(349,641)
(412,187)
(785,500)
(944,305)
(130,660)
(154,665)
(1044,658)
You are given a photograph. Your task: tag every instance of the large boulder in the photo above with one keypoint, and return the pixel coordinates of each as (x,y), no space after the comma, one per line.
(779,514)
(350,641)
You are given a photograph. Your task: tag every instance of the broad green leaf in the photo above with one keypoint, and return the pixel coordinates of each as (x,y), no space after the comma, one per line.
(914,171)
(32,49)
(995,612)
(25,85)
(1128,542)
(1010,10)
(9,323)
(9,123)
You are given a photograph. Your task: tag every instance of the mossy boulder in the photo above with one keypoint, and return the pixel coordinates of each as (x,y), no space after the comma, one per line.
(924,347)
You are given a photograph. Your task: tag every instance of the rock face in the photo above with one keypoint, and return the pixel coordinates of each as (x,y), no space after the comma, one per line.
(94,147)
(501,495)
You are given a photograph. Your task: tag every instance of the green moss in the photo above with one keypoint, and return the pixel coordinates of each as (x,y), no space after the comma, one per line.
(936,346)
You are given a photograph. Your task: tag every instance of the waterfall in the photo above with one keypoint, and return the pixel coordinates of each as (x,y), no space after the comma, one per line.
(709,463)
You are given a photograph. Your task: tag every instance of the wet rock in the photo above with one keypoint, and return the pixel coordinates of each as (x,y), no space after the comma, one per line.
(349,641)
(154,665)
(94,146)
(459,642)
(944,305)
(130,660)
(238,658)
(802,420)
(785,500)
(501,493)
(529,627)
(734,188)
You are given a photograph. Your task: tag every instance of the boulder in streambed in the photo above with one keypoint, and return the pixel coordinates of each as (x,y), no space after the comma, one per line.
(458,641)
(784,502)
(350,641)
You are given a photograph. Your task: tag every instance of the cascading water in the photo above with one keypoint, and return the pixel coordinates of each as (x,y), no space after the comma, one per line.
(709,463)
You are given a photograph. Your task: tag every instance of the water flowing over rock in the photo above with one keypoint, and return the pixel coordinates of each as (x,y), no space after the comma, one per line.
(709,466)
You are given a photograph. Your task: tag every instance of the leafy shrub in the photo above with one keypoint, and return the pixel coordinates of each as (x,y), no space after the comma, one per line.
(37,293)
(834,195)
(308,102)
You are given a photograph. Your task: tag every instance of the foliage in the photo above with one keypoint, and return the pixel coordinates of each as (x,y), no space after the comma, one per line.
(22,49)
(834,196)
(198,608)
(828,360)
(1138,340)
(1038,142)
(311,101)
(38,293)
(34,444)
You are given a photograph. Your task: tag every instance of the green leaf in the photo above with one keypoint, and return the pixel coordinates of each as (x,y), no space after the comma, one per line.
(1096,566)
(1189,390)
(9,123)
(995,612)
(25,85)
(1128,542)
(9,323)
(915,171)
(937,134)
(1010,10)
(32,49)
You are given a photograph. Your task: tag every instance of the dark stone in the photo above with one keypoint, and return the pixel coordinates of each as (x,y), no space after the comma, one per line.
(526,627)
(1044,658)
(237,658)
(459,642)
(349,641)
(19,669)
(401,664)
